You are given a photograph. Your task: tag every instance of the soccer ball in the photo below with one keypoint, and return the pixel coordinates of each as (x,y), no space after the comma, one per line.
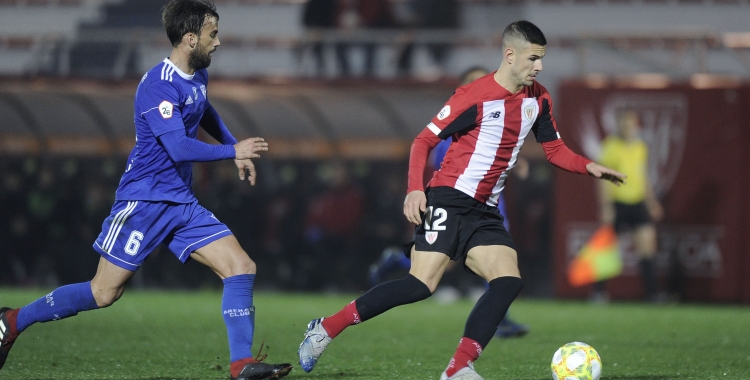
(576,361)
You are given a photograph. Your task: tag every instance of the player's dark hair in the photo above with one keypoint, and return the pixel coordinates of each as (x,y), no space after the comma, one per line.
(526,31)
(180,17)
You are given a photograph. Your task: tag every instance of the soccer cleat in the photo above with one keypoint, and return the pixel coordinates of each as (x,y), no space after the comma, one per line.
(391,260)
(261,371)
(315,342)
(466,373)
(8,332)
(510,329)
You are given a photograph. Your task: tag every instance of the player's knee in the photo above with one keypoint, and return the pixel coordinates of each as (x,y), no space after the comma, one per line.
(510,284)
(106,297)
(244,266)
(429,283)
(417,288)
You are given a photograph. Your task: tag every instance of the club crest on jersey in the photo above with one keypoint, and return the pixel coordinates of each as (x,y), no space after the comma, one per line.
(165,109)
(445,112)
(203,90)
(431,236)
(529,113)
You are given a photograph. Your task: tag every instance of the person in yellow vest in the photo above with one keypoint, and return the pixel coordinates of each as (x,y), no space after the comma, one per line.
(632,206)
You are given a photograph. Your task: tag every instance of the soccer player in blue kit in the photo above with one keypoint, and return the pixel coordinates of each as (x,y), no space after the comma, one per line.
(155,203)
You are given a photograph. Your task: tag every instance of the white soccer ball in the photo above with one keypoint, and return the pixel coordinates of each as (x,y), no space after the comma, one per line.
(576,361)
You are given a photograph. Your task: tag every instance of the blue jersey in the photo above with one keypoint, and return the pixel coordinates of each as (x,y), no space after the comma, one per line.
(166,100)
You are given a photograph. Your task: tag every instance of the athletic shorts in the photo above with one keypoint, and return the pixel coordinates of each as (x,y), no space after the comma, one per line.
(630,216)
(454,223)
(135,228)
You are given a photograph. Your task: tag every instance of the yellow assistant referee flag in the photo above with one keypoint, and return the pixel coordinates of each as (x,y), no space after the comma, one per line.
(599,259)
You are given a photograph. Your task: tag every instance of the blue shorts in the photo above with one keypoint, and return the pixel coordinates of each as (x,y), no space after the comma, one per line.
(135,228)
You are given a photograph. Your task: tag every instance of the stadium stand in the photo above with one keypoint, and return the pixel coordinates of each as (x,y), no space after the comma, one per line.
(117,39)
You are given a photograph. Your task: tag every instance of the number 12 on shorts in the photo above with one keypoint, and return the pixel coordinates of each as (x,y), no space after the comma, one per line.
(440,215)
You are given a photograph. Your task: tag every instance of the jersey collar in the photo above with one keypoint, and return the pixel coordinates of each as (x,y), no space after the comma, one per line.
(177,69)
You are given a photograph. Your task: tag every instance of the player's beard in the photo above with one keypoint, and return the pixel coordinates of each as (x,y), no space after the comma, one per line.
(199,58)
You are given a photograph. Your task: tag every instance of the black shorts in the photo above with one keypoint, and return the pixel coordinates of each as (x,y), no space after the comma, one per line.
(454,223)
(631,216)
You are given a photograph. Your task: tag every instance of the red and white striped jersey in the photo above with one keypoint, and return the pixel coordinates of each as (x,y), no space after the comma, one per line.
(488,125)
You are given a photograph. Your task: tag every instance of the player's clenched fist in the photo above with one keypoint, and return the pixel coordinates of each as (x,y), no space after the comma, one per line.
(247,148)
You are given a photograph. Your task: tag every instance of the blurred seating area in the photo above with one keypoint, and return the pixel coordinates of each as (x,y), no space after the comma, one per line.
(63,147)
(53,208)
(377,39)
(292,223)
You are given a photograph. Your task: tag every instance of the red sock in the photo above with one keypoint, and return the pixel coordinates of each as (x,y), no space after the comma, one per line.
(336,323)
(236,366)
(467,352)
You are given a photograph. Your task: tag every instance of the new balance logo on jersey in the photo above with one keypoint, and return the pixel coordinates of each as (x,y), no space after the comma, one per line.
(495,115)
(445,112)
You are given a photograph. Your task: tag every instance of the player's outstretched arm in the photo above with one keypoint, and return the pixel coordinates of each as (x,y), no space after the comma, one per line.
(414,206)
(248,148)
(561,156)
(181,148)
(605,173)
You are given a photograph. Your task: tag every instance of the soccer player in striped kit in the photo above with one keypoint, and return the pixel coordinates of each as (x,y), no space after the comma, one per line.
(456,216)
(155,203)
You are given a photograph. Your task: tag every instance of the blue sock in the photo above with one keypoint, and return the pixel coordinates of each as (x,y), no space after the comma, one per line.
(63,302)
(239,315)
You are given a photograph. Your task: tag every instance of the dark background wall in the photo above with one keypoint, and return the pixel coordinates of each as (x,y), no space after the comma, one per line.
(698,139)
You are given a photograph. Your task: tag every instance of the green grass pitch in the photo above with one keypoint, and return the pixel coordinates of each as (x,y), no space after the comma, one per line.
(180,335)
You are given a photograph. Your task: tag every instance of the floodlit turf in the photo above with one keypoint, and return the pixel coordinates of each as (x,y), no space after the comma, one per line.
(180,335)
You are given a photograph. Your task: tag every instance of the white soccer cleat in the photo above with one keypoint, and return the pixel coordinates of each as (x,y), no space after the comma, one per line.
(466,373)
(316,341)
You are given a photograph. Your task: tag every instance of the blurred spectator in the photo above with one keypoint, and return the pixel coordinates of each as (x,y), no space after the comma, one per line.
(14,224)
(348,20)
(632,206)
(283,232)
(359,15)
(374,14)
(46,225)
(431,14)
(318,17)
(332,228)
